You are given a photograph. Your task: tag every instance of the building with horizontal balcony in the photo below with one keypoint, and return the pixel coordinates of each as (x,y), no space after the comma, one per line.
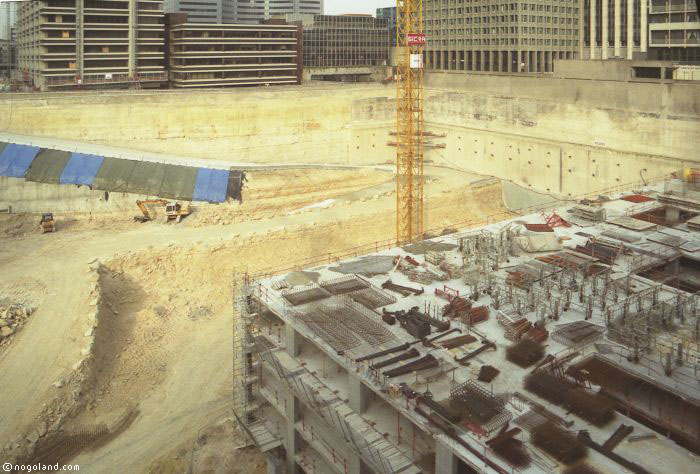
(674,30)
(225,55)
(494,36)
(91,43)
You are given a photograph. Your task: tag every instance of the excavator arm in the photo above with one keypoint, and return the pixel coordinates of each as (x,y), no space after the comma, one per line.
(144,209)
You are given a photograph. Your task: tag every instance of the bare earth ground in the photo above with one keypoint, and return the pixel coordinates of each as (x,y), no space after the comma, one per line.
(161,353)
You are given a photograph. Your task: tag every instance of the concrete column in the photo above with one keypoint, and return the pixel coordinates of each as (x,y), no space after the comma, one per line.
(604,31)
(275,465)
(483,60)
(445,460)
(357,393)
(618,24)
(592,28)
(293,340)
(527,61)
(630,28)
(133,40)
(510,61)
(292,441)
(473,60)
(79,38)
(643,26)
(673,215)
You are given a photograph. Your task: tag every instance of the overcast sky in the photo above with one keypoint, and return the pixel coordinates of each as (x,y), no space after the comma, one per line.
(334,7)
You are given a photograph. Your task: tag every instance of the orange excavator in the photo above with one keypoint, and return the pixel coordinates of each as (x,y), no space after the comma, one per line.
(173,210)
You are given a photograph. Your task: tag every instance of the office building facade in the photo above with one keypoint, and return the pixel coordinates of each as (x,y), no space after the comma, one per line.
(91,43)
(613,29)
(674,30)
(500,36)
(389,14)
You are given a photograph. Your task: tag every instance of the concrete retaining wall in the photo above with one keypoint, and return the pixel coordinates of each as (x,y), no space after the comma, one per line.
(554,135)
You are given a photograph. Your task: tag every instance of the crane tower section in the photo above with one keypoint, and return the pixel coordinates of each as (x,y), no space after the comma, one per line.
(409,155)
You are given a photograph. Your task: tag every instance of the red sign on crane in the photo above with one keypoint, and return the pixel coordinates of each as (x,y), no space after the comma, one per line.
(416,39)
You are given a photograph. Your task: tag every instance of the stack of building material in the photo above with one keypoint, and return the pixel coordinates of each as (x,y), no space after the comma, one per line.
(420,277)
(514,327)
(472,316)
(525,352)
(537,334)
(487,373)
(590,213)
(558,443)
(436,258)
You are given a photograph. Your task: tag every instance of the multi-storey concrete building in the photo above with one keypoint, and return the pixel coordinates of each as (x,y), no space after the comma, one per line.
(218,55)
(674,30)
(198,11)
(343,47)
(247,11)
(613,29)
(504,36)
(86,43)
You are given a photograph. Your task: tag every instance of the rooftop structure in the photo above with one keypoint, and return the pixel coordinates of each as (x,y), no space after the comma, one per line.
(111,43)
(198,11)
(216,55)
(245,11)
(521,36)
(533,345)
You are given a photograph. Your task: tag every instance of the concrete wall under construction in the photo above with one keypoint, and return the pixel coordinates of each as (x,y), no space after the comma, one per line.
(560,136)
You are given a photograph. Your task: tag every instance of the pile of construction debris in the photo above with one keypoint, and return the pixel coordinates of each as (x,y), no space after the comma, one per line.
(12,318)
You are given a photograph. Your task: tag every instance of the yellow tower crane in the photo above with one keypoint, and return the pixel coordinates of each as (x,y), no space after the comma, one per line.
(409,104)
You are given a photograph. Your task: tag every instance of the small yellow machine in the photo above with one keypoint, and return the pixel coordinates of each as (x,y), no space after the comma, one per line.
(47,224)
(173,210)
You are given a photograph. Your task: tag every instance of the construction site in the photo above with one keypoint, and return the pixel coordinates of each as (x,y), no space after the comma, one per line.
(447,272)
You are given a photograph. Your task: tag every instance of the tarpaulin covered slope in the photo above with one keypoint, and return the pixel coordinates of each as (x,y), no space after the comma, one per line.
(178,182)
(81,169)
(211,185)
(146,178)
(15,159)
(114,175)
(47,166)
(2,146)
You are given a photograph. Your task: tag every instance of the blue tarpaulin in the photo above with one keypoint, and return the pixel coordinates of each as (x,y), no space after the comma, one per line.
(15,159)
(211,185)
(81,169)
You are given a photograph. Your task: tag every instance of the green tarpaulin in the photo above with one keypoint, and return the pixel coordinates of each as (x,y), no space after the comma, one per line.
(146,178)
(178,182)
(114,175)
(2,146)
(47,166)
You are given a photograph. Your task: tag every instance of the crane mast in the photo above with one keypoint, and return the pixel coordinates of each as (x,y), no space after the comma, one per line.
(409,155)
